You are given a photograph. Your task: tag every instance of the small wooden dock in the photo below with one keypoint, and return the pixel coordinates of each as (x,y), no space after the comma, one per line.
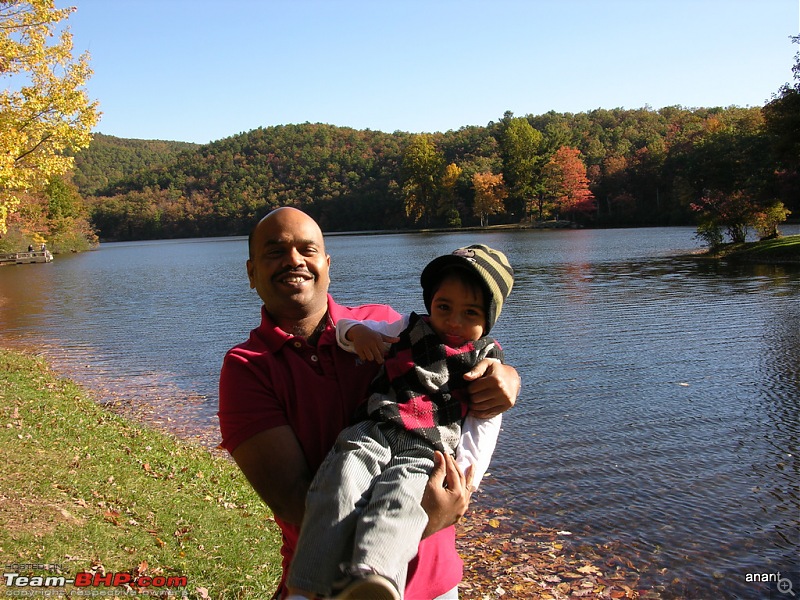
(25,258)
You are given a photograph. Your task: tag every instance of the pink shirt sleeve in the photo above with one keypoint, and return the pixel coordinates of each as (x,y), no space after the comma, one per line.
(245,408)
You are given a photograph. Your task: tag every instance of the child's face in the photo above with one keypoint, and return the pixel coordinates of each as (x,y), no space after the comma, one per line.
(457,312)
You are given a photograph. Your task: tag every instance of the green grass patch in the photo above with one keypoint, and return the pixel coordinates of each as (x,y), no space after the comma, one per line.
(784,249)
(87,490)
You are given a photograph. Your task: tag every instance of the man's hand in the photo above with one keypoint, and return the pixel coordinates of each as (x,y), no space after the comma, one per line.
(447,494)
(369,344)
(493,389)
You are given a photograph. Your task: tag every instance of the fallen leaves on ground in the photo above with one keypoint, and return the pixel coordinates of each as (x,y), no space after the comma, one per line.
(508,557)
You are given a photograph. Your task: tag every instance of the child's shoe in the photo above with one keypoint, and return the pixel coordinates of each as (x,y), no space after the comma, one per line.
(369,587)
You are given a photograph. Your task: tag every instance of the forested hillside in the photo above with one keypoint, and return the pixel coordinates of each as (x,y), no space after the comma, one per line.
(109,159)
(602,168)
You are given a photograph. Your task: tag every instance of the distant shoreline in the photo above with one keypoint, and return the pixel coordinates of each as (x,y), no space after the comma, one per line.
(747,251)
(509,227)
(781,250)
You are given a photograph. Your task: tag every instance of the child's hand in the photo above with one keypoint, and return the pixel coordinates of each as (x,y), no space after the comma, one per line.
(369,344)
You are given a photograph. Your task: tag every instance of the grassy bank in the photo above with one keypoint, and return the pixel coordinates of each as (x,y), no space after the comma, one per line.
(86,490)
(785,249)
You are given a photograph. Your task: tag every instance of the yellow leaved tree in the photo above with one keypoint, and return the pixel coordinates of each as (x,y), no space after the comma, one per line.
(490,191)
(44,108)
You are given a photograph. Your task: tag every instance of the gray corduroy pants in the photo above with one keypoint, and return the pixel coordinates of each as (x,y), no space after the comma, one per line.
(363,508)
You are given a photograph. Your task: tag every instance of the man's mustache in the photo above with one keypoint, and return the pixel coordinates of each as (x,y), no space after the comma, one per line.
(294,271)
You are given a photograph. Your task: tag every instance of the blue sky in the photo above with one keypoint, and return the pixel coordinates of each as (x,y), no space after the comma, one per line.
(202,70)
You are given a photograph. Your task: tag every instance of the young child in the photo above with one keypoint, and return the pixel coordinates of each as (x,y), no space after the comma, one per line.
(363,519)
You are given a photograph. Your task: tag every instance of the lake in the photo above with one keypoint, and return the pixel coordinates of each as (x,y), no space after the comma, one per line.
(660,410)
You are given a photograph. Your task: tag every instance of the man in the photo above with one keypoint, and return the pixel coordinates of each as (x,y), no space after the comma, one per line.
(287,392)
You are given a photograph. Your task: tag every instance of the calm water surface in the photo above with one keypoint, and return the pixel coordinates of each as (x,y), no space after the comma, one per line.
(661,405)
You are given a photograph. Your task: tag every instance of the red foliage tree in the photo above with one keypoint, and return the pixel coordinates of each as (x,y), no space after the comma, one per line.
(566,182)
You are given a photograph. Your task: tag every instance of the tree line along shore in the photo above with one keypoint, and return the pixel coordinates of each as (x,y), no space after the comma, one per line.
(716,168)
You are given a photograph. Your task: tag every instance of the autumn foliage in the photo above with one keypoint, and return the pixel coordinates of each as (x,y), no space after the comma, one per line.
(598,168)
(44,110)
(566,183)
(490,191)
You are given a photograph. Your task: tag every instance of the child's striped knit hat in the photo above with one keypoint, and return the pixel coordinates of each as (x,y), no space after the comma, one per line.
(490,265)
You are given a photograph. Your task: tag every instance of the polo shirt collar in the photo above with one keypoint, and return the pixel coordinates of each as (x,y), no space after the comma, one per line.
(275,337)
(336,312)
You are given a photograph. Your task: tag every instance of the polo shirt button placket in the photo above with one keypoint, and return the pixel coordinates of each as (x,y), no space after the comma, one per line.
(306,352)
(312,359)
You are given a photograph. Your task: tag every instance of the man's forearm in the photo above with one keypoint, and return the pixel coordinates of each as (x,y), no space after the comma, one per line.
(273,463)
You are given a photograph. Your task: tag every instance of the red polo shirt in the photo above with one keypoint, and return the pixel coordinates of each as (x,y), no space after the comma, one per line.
(276,379)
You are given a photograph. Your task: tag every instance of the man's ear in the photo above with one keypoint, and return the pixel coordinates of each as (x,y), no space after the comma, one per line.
(250,274)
